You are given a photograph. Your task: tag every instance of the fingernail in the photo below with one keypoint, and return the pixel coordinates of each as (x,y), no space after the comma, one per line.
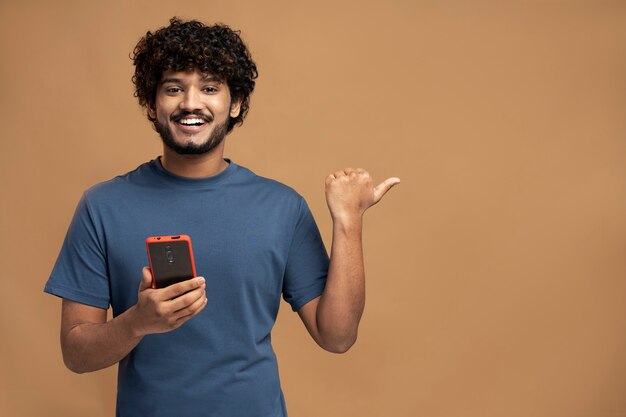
(200,280)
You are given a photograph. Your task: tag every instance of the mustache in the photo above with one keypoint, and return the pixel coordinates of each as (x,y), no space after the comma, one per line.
(197,113)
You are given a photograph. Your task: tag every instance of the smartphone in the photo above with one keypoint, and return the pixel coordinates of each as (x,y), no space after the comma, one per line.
(171,259)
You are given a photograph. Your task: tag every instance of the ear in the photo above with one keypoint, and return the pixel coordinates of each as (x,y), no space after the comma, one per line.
(235,108)
(151,112)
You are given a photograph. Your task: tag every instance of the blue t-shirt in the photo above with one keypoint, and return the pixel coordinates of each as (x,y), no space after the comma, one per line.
(253,239)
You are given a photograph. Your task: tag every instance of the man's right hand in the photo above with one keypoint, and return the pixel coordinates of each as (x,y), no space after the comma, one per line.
(89,342)
(165,309)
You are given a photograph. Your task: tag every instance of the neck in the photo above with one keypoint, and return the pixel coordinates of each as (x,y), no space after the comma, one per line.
(194,166)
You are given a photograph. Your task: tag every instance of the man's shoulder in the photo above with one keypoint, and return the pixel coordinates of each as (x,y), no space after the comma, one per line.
(267,184)
(120,184)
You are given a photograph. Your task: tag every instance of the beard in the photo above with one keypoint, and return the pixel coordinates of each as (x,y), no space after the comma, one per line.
(215,138)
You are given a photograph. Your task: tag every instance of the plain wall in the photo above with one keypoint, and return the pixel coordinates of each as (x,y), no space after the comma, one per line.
(495,270)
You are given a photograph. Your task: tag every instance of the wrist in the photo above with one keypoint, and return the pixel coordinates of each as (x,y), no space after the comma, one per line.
(348,222)
(129,323)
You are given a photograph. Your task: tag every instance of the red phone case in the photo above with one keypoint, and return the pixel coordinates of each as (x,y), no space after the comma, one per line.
(171,259)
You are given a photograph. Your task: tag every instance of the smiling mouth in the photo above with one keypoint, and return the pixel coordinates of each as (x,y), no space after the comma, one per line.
(192,120)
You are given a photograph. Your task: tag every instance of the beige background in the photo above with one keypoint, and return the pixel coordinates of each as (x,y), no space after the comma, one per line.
(495,270)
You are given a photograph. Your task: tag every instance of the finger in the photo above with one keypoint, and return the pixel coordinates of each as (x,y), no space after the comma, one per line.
(347,171)
(339,174)
(187,299)
(383,187)
(180,288)
(190,311)
(146,279)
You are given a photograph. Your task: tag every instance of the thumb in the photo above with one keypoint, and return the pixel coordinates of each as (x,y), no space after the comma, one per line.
(146,279)
(383,187)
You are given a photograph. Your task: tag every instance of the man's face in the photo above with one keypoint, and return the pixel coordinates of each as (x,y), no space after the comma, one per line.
(192,111)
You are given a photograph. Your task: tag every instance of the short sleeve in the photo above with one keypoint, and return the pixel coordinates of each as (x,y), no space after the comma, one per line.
(307,262)
(80,273)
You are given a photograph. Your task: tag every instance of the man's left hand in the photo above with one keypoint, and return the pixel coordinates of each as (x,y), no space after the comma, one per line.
(350,192)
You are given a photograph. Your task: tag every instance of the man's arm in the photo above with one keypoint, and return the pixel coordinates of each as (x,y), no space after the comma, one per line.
(333,318)
(89,342)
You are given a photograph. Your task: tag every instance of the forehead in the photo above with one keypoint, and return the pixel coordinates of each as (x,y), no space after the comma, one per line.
(189,76)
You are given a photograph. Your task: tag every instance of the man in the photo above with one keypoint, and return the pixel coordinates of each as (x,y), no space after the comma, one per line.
(202,347)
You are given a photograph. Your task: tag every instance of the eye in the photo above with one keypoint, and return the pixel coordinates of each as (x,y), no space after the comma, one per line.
(173,90)
(210,89)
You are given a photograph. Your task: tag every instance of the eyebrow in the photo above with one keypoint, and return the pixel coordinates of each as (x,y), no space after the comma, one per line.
(206,79)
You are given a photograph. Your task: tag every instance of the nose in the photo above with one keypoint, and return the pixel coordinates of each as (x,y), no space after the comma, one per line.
(191,100)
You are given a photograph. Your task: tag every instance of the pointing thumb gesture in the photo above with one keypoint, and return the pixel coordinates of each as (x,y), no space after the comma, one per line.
(381,189)
(350,192)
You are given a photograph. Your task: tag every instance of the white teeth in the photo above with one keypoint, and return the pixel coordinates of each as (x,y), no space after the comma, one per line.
(190,121)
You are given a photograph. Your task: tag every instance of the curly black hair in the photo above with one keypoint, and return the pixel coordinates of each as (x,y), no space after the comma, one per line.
(192,45)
